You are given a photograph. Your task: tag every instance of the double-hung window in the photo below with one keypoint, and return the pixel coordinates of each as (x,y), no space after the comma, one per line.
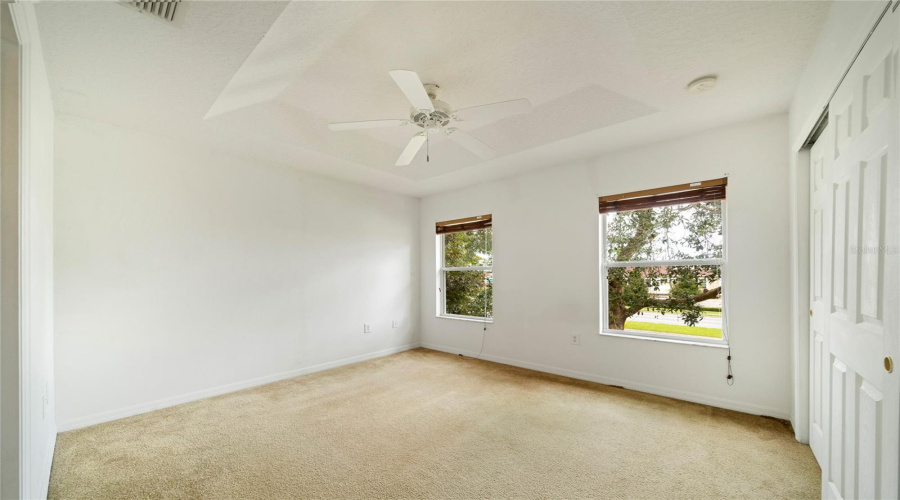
(663,263)
(466,273)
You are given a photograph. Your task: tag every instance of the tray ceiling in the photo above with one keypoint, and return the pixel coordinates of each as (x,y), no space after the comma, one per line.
(264,79)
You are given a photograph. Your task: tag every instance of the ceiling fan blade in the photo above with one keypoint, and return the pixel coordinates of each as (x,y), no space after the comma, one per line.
(472,144)
(415,144)
(412,87)
(367,124)
(495,111)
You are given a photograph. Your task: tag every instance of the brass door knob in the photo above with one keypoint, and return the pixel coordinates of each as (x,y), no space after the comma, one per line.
(888,364)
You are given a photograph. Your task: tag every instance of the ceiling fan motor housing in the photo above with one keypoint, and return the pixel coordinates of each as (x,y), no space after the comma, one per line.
(432,120)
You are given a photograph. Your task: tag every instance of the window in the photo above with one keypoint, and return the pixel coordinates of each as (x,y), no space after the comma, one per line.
(663,263)
(466,278)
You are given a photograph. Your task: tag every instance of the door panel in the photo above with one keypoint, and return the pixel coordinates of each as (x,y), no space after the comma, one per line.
(836,441)
(869,422)
(839,265)
(817,426)
(872,217)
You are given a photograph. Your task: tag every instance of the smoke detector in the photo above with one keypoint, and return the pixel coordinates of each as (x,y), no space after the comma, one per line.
(702,84)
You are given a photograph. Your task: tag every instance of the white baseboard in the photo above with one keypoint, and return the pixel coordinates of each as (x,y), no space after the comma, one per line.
(692,397)
(48,465)
(108,416)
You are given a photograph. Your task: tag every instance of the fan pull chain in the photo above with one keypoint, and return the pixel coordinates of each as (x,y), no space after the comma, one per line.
(427,148)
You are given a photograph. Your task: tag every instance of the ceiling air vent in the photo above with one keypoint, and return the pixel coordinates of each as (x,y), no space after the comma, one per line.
(163,9)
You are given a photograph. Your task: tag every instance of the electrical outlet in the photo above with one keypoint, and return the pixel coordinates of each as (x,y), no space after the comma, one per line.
(367,328)
(576,339)
(395,324)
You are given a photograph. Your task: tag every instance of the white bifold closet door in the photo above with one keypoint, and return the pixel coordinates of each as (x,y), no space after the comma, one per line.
(855,278)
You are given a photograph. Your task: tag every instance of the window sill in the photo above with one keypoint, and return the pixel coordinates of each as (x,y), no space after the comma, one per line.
(673,339)
(466,318)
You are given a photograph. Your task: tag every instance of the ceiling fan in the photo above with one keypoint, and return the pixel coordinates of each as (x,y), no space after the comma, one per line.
(434,116)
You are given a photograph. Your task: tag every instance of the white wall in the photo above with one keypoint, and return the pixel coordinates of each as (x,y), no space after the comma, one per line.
(182,272)
(547,280)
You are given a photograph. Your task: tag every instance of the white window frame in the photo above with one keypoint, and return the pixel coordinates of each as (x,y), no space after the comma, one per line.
(605,264)
(442,290)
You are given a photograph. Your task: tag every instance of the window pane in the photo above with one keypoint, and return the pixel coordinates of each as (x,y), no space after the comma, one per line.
(468,249)
(684,300)
(690,231)
(469,293)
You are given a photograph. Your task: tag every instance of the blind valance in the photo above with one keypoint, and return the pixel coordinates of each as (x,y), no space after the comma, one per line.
(460,225)
(694,192)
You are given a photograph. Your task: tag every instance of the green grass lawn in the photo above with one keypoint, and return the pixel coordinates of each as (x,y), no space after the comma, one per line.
(698,331)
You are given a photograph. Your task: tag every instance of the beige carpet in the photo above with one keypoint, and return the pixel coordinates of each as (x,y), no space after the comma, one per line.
(423,424)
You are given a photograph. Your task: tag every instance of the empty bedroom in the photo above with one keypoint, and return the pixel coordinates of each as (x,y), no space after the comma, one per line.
(449,250)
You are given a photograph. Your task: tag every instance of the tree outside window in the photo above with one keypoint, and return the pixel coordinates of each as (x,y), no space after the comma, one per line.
(663,267)
(467,273)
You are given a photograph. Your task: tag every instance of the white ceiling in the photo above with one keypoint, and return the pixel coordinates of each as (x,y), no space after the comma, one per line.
(264,79)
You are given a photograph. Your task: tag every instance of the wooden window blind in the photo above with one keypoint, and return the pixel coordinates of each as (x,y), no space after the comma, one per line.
(460,225)
(694,192)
